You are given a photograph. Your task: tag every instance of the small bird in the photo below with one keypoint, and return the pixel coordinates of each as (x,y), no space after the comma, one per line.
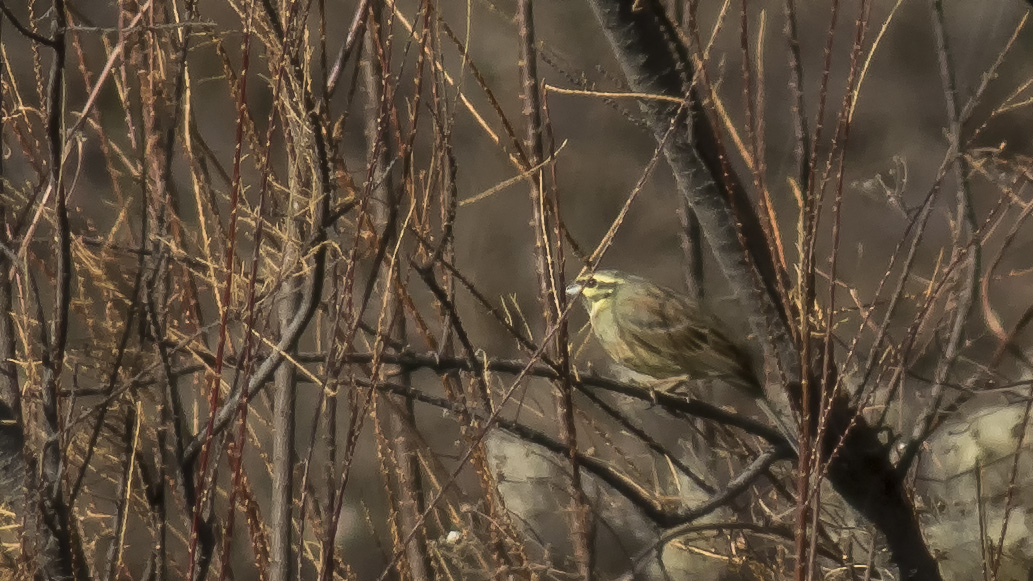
(664,334)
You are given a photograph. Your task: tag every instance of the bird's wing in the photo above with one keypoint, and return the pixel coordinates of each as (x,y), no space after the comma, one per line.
(674,329)
(663,323)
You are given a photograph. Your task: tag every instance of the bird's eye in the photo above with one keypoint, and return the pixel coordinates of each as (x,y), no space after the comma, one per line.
(591,283)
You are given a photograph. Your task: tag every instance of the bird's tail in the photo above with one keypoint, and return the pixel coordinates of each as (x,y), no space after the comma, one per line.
(746,381)
(791,435)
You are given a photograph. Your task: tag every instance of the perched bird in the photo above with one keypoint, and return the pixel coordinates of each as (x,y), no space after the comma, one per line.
(664,334)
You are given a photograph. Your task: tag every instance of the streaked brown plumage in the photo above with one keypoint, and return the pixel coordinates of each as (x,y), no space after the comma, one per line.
(661,333)
(665,334)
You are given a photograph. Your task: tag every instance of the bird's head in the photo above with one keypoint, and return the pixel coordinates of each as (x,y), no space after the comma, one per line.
(598,287)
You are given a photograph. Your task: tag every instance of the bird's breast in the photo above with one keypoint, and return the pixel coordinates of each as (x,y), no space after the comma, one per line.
(608,332)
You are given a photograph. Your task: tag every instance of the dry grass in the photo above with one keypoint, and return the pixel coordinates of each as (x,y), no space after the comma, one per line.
(281,286)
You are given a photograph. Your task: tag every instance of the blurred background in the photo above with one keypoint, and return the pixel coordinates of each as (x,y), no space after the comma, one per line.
(411,156)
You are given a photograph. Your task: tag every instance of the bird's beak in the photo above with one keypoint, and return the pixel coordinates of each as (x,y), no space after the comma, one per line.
(573,289)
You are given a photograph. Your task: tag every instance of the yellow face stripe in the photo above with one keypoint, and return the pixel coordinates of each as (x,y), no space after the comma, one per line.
(598,286)
(602,277)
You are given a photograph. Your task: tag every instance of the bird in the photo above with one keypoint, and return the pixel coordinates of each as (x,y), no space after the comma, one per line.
(666,335)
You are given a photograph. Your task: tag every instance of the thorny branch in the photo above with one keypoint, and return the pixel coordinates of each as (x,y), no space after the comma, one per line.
(224,248)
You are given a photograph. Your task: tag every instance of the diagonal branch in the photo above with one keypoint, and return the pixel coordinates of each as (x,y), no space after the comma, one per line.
(656,62)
